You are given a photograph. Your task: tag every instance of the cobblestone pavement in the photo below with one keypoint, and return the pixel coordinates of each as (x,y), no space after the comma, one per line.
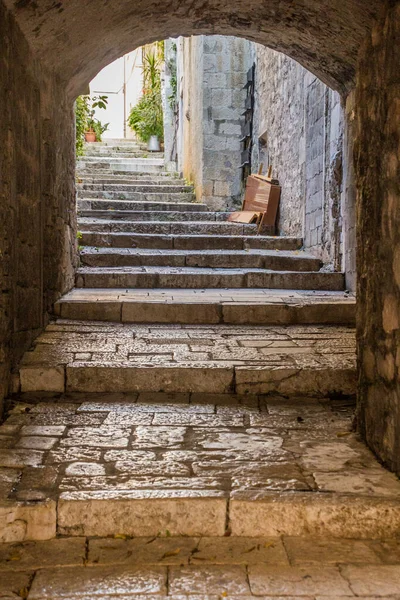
(200,569)
(190,464)
(93,356)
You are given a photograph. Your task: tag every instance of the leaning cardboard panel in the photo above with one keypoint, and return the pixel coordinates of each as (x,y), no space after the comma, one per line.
(263,195)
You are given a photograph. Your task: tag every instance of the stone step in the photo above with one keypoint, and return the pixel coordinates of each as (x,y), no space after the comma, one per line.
(187,242)
(169,187)
(118,142)
(133,165)
(247,259)
(117,206)
(92,148)
(152,158)
(220,467)
(124,214)
(114,153)
(77,356)
(201,306)
(91,176)
(191,277)
(160,196)
(166,227)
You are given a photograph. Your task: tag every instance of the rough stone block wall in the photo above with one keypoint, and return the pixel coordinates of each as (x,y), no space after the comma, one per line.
(190,134)
(298,129)
(218,80)
(37,237)
(377,167)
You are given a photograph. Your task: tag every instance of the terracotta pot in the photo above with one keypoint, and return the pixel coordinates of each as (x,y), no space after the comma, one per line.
(90,136)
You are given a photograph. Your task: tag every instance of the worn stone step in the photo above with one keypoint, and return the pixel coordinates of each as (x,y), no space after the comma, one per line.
(191,277)
(202,306)
(187,242)
(79,356)
(160,196)
(89,176)
(153,215)
(168,187)
(117,206)
(225,468)
(166,227)
(249,259)
(121,165)
(116,153)
(118,142)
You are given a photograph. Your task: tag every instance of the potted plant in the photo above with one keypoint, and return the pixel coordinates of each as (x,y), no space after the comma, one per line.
(146,117)
(94,128)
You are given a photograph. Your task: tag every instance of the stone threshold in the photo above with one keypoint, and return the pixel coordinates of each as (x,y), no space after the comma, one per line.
(202,306)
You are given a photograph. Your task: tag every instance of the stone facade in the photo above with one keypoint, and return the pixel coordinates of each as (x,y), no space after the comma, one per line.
(377,146)
(214,73)
(37,196)
(298,129)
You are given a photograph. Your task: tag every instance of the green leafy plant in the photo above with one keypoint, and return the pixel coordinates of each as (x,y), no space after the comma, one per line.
(146,117)
(99,128)
(85,107)
(173,82)
(81,117)
(95,102)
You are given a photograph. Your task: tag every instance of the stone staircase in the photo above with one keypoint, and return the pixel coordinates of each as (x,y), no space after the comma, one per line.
(144,231)
(198,381)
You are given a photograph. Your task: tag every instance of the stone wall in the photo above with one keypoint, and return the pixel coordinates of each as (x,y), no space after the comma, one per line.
(214,74)
(37,224)
(190,94)
(298,129)
(377,152)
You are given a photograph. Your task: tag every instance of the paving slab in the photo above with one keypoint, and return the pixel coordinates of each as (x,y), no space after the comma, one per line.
(207,471)
(83,356)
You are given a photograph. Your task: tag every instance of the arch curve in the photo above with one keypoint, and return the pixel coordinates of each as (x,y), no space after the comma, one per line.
(76,39)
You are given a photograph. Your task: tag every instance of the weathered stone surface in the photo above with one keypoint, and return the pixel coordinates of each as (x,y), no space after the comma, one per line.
(377,101)
(302,581)
(209,579)
(291,360)
(382,580)
(12,583)
(260,513)
(234,306)
(146,551)
(97,581)
(315,550)
(22,556)
(37,379)
(248,465)
(142,513)
(235,550)
(24,521)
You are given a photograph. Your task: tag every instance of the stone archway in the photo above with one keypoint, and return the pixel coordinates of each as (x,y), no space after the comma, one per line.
(50,50)
(76,40)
